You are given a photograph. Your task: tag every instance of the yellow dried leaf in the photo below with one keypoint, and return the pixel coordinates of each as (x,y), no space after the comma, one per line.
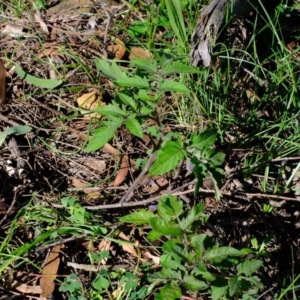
(117,49)
(80,184)
(90,101)
(50,272)
(104,246)
(127,248)
(137,52)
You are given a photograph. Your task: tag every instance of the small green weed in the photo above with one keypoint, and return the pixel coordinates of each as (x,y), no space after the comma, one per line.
(196,262)
(140,91)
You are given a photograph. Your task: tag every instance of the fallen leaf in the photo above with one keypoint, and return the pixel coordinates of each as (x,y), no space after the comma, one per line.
(155,259)
(123,171)
(127,247)
(118,49)
(65,7)
(80,184)
(26,289)
(95,164)
(43,25)
(51,51)
(137,52)
(90,101)
(104,246)
(2,86)
(49,272)
(13,31)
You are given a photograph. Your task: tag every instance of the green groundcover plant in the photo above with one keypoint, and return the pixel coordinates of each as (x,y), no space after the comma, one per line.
(192,261)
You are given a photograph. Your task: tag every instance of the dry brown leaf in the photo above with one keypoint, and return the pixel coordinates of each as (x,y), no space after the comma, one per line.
(95,164)
(104,246)
(118,49)
(2,86)
(26,289)
(51,51)
(50,272)
(81,184)
(41,22)
(155,259)
(13,31)
(123,171)
(126,247)
(90,101)
(137,52)
(65,7)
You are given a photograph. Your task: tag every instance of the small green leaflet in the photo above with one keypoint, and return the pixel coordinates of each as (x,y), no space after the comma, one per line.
(248,267)
(110,70)
(13,130)
(165,227)
(104,134)
(170,85)
(168,158)
(110,110)
(178,67)
(217,255)
(145,64)
(169,206)
(139,217)
(133,125)
(39,82)
(135,81)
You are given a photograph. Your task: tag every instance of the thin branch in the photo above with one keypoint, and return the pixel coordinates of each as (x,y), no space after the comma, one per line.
(126,197)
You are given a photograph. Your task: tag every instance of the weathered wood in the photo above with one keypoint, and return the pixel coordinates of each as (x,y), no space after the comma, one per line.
(210,21)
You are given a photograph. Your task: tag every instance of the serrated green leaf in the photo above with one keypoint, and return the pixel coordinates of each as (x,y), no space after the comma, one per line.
(219,288)
(233,285)
(170,85)
(168,274)
(205,275)
(248,267)
(139,217)
(136,81)
(165,227)
(174,265)
(133,125)
(192,283)
(217,159)
(204,140)
(169,206)
(193,215)
(175,247)
(145,64)
(17,130)
(127,99)
(39,82)
(167,158)
(144,95)
(218,254)
(153,235)
(103,135)
(110,110)
(169,292)
(109,69)
(256,282)
(178,67)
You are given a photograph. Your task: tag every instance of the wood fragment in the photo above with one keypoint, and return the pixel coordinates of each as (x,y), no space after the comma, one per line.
(2,86)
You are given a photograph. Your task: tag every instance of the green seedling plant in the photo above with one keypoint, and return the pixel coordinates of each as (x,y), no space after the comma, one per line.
(194,261)
(139,92)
